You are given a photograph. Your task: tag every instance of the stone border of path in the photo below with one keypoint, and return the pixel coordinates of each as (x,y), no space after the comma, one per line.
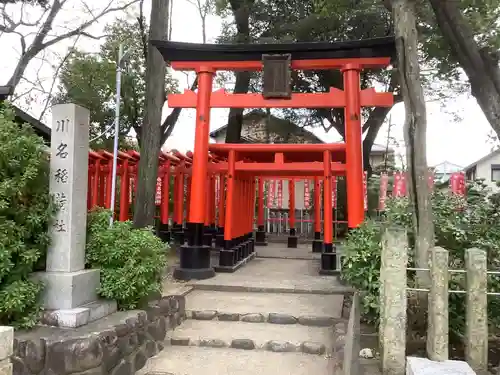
(347,358)
(117,345)
(277,346)
(273,318)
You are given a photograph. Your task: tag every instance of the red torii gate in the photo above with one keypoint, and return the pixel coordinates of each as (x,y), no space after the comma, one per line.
(348,57)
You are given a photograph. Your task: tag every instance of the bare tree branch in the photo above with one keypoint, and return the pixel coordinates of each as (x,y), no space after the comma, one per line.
(56,75)
(40,43)
(142,27)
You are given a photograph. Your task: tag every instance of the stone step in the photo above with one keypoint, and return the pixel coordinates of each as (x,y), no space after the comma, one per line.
(202,361)
(277,308)
(265,336)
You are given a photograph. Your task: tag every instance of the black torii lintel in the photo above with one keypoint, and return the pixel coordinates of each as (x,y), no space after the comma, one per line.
(365,48)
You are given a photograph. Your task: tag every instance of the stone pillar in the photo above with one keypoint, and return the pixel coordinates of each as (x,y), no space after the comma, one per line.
(393,301)
(437,331)
(68,285)
(6,348)
(476,324)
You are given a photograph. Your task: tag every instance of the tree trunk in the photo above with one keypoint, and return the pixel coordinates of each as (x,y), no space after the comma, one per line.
(241,12)
(374,122)
(479,64)
(151,130)
(415,128)
(235,117)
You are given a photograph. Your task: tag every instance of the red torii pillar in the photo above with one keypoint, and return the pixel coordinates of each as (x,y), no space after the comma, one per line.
(329,256)
(219,238)
(260,235)
(317,244)
(354,144)
(177,228)
(292,238)
(195,257)
(164,227)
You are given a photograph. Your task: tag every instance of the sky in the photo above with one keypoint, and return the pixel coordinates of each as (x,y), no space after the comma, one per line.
(461,141)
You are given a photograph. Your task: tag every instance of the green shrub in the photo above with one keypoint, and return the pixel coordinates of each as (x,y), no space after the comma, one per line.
(26,210)
(131,260)
(455,230)
(361,266)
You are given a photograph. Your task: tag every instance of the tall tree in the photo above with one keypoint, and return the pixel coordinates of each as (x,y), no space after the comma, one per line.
(14,21)
(415,127)
(295,20)
(241,10)
(151,131)
(475,50)
(90,80)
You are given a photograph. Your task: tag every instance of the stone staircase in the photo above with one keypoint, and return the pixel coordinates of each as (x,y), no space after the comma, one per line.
(239,324)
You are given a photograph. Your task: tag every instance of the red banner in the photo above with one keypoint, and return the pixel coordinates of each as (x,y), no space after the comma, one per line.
(399,189)
(365,189)
(158,191)
(307,194)
(217,189)
(280,194)
(382,196)
(430,180)
(334,192)
(457,183)
(270,193)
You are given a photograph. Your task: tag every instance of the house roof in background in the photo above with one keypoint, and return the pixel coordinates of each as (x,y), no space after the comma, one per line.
(22,117)
(486,157)
(381,149)
(447,167)
(258,115)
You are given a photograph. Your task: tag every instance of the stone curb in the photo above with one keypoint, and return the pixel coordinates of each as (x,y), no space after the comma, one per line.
(272,318)
(276,346)
(338,290)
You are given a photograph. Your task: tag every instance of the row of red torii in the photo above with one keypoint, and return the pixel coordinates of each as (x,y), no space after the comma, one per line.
(175,170)
(243,166)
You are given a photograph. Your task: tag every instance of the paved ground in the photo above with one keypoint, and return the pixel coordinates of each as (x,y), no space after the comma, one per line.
(273,316)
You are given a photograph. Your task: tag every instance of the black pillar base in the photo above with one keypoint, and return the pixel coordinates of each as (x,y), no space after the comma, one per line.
(329,248)
(317,235)
(207,239)
(236,253)
(252,245)
(260,238)
(219,241)
(317,246)
(292,242)
(329,261)
(227,258)
(179,237)
(164,236)
(178,234)
(194,263)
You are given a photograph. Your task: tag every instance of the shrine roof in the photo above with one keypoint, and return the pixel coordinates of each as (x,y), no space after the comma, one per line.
(364,48)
